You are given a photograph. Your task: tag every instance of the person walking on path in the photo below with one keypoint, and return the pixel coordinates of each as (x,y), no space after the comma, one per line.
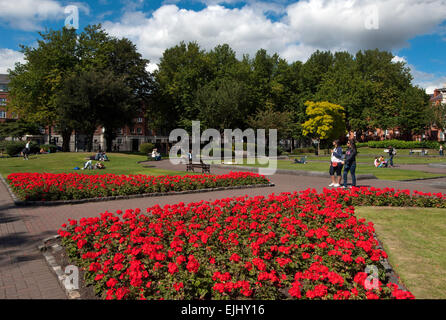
(441,150)
(350,163)
(392,152)
(336,165)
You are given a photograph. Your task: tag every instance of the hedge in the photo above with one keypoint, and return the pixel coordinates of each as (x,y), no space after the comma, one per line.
(400,144)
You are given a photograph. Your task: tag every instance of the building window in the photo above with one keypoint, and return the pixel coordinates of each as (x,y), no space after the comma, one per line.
(139,130)
(3,88)
(2,114)
(442,136)
(133,131)
(139,120)
(120,131)
(2,101)
(119,141)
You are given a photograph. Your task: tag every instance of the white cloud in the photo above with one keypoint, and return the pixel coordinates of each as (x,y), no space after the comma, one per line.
(8,58)
(307,25)
(399,59)
(427,81)
(245,30)
(361,24)
(29,14)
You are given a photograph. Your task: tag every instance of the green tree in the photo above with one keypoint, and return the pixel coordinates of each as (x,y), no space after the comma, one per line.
(182,70)
(92,99)
(222,104)
(326,121)
(35,84)
(271,119)
(18,128)
(413,116)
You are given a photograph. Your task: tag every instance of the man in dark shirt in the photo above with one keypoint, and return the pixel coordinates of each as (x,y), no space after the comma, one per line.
(350,163)
(391,151)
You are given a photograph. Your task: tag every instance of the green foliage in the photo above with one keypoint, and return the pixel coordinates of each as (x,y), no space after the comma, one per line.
(146,147)
(18,128)
(14,148)
(326,120)
(43,89)
(302,150)
(400,144)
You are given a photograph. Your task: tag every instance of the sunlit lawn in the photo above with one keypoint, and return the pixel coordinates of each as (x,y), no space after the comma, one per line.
(65,162)
(367,155)
(380,173)
(415,240)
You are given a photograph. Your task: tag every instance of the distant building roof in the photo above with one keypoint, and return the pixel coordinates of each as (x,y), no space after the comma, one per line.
(4,78)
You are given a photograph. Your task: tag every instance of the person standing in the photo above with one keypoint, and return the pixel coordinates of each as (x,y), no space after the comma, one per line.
(391,154)
(336,165)
(350,162)
(441,150)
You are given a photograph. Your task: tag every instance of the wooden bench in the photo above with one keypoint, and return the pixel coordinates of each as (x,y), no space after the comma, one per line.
(421,152)
(204,167)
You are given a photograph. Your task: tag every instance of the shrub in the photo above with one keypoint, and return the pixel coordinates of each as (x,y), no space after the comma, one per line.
(303,150)
(146,147)
(14,148)
(400,144)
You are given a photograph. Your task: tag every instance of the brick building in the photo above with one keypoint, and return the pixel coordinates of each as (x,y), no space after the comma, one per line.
(4,81)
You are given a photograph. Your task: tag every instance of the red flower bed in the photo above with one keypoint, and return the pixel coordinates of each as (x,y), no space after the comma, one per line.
(68,186)
(363,196)
(294,245)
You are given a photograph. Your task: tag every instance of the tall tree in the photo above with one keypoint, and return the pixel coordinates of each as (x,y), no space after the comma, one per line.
(35,84)
(93,98)
(181,71)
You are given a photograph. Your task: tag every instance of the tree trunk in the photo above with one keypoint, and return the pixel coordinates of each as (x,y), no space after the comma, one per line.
(49,134)
(109,136)
(66,137)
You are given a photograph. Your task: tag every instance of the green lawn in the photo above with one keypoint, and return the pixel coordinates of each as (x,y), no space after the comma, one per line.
(380,173)
(367,155)
(65,162)
(415,240)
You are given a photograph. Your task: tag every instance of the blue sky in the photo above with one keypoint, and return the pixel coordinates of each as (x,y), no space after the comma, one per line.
(413,30)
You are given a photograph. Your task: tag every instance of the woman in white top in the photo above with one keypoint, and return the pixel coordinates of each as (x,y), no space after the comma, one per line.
(336,165)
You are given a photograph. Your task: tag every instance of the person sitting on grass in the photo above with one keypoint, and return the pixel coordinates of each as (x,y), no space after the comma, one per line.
(155,155)
(382,162)
(99,165)
(376,162)
(104,157)
(88,165)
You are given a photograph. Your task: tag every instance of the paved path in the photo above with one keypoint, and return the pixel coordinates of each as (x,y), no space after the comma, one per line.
(25,274)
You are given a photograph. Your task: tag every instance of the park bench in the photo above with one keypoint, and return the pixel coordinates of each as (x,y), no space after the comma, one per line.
(204,167)
(421,152)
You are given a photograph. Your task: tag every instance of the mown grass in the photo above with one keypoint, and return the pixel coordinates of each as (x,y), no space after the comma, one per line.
(61,162)
(380,173)
(367,155)
(415,240)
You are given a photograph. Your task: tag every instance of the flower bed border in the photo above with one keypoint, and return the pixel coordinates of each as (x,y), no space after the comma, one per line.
(19,202)
(46,248)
